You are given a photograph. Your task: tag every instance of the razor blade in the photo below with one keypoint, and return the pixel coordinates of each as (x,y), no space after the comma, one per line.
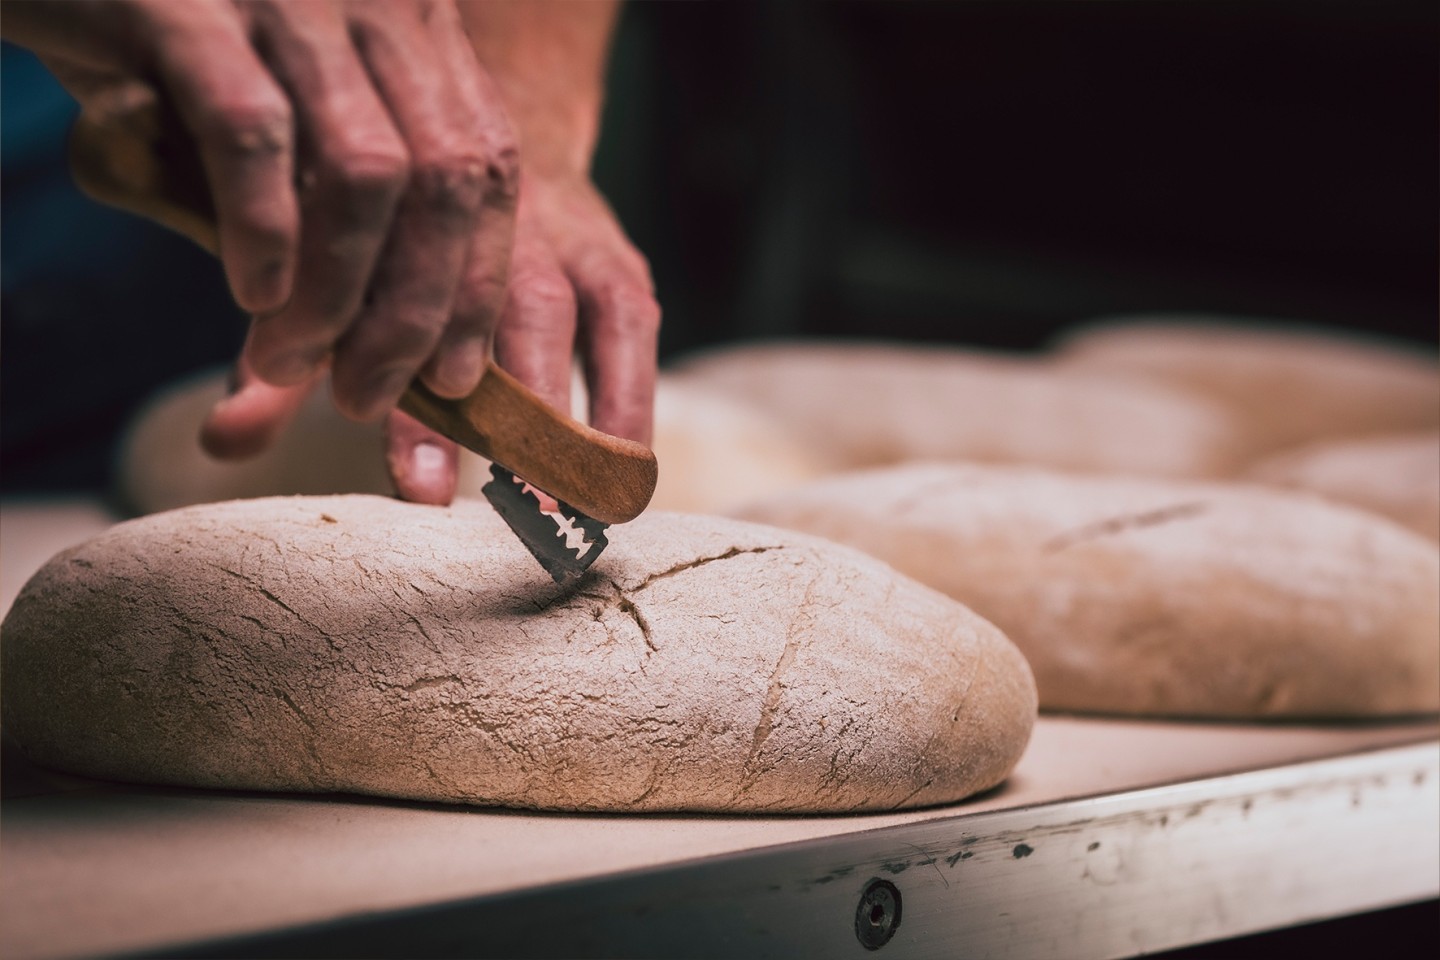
(564,543)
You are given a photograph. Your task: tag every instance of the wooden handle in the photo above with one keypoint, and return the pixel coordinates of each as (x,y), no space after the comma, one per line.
(129,162)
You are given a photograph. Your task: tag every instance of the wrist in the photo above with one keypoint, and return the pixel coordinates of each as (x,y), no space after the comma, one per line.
(557,141)
(547,58)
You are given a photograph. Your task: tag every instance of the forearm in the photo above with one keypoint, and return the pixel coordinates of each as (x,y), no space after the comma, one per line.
(548,59)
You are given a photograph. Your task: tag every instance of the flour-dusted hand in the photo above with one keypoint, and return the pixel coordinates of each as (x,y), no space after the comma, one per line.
(576,281)
(363,172)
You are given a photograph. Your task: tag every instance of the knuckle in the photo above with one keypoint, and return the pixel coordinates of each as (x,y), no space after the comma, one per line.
(629,305)
(541,294)
(370,173)
(409,334)
(256,126)
(452,184)
(503,172)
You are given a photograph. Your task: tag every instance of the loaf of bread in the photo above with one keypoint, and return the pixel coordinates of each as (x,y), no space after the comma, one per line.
(362,644)
(1396,475)
(162,466)
(1285,387)
(714,453)
(1134,596)
(863,404)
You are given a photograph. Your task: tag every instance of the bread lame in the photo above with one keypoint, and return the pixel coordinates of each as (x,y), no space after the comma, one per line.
(596,479)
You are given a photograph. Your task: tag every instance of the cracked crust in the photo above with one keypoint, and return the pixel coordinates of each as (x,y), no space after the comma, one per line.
(1159,597)
(360,644)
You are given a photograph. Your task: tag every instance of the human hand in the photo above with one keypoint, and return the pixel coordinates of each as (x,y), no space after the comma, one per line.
(578,279)
(578,286)
(386,256)
(574,279)
(422,464)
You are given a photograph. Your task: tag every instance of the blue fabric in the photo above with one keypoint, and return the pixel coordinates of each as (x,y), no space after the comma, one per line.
(99,307)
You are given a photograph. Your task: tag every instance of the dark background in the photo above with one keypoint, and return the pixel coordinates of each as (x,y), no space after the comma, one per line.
(987,173)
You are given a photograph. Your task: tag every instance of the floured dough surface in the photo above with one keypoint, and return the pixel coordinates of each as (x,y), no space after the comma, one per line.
(1285,387)
(361,644)
(862,404)
(1159,597)
(1396,476)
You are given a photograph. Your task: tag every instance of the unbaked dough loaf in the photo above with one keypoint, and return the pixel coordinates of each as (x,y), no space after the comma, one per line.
(1397,476)
(1152,597)
(714,453)
(362,644)
(163,467)
(862,404)
(1286,387)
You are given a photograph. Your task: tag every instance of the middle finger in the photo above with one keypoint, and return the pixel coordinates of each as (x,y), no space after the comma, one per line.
(354,168)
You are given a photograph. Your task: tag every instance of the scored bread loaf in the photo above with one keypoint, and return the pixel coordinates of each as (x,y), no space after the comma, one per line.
(862,404)
(1136,596)
(1284,387)
(362,644)
(1397,475)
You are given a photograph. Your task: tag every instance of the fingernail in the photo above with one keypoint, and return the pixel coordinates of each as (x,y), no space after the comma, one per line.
(427,463)
(459,369)
(381,393)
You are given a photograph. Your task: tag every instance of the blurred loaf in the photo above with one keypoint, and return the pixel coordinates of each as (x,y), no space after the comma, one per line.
(1285,387)
(1136,596)
(1396,475)
(863,404)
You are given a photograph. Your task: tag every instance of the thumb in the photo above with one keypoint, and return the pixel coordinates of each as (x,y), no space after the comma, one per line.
(246,423)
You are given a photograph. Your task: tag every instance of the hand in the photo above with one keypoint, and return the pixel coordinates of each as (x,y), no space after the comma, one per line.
(389,258)
(577,283)
(574,276)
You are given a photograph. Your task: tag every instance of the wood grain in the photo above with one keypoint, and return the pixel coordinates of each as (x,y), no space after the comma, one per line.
(127,161)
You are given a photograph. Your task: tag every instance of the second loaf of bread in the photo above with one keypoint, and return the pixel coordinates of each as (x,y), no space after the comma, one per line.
(1159,597)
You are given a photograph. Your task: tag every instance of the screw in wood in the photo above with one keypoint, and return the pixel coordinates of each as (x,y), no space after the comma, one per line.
(878,915)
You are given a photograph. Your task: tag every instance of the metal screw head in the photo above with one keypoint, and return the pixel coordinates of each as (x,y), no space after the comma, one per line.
(878,915)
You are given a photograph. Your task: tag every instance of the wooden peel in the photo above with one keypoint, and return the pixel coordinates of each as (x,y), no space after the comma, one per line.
(128,162)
